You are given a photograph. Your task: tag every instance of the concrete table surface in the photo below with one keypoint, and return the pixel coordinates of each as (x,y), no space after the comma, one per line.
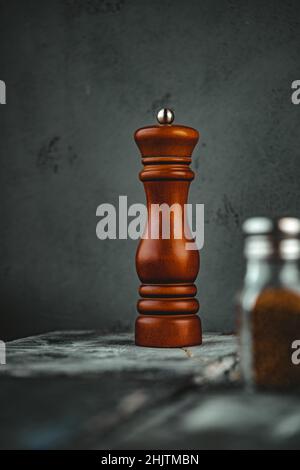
(84,389)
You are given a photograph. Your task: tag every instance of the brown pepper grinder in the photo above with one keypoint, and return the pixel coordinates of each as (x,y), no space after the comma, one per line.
(165,267)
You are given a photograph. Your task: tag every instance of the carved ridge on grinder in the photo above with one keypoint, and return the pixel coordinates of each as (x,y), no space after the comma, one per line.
(168,290)
(167,308)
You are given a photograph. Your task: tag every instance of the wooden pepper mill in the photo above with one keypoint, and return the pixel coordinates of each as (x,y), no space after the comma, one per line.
(165,267)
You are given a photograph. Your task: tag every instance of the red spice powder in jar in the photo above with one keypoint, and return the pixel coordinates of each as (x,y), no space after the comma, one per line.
(275,325)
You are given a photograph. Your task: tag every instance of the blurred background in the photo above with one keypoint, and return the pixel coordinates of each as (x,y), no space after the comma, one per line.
(81,77)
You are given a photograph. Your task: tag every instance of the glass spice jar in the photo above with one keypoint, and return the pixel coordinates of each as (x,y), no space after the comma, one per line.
(269,303)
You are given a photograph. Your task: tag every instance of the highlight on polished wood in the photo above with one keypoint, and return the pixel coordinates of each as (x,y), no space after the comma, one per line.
(167,270)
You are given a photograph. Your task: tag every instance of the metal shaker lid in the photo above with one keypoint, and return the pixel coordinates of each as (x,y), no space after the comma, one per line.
(281,227)
(272,238)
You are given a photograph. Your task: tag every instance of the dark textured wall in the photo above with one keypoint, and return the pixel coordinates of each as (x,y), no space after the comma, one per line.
(81,76)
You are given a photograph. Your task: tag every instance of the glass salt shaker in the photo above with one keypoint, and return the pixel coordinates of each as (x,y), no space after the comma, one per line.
(269,304)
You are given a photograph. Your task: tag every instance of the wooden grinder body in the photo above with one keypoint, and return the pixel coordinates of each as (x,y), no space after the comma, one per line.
(167,307)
